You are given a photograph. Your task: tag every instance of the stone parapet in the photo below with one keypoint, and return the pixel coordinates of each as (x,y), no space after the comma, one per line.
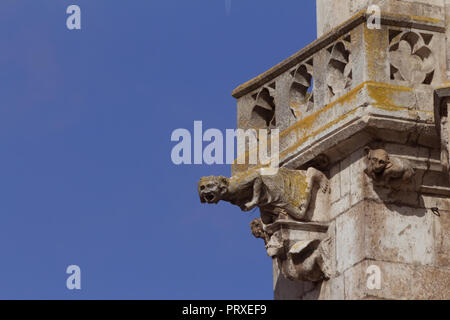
(352,82)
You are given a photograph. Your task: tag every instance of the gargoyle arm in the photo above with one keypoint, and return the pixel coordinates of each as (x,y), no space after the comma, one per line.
(257,187)
(313,177)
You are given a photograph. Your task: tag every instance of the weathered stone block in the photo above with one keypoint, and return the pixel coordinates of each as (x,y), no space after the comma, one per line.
(442,239)
(345,176)
(350,237)
(355,282)
(335,183)
(372,230)
(340,206)
(429,283)
(399,234)
(358,180)
(333,289)
(397,281)
(394,281)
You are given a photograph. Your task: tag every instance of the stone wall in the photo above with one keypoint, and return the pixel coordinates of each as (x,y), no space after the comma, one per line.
(396,231)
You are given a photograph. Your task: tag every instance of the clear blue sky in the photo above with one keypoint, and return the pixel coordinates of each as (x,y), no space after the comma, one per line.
(85,124)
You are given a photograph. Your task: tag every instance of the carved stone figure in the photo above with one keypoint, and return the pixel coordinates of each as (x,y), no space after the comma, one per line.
(307,261)
(382,168)
(282,195)
(276,245)
(304,260)
(257,229)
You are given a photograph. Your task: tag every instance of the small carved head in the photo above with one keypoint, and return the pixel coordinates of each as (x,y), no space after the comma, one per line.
(211,189)
(378,160)
(275,245)
(257,228)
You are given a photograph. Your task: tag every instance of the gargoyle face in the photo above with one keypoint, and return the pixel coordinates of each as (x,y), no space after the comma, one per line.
(257,228)
(379,159)
(211,189)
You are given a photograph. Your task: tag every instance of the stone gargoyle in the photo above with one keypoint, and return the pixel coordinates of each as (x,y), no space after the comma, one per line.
(306,260)
(386,170)
(283,195)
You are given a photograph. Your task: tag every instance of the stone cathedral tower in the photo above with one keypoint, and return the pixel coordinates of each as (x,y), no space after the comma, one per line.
(360,208)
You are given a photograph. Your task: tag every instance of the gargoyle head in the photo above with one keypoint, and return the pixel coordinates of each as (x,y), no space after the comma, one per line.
(378,160)
(257,228)
(212,189)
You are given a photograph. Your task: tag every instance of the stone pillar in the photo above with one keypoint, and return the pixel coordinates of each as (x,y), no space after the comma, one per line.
(361,206)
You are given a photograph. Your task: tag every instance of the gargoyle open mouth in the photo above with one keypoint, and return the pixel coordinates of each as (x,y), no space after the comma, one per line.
(378,172)
(209,197)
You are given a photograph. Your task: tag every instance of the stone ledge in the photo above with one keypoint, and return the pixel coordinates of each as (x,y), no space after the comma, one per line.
(372,109)
(345,131)
(296,225)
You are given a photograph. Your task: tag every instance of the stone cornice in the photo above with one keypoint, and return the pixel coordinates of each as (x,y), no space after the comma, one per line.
(366,106)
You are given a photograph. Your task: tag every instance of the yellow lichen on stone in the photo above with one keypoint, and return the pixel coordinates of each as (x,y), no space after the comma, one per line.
(445,84)
(308,121)
(305,137)
(295,183)
(374,53)
(383,94)
(413,17)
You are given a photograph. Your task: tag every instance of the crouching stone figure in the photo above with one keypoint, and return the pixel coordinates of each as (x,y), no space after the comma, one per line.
(283,195)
